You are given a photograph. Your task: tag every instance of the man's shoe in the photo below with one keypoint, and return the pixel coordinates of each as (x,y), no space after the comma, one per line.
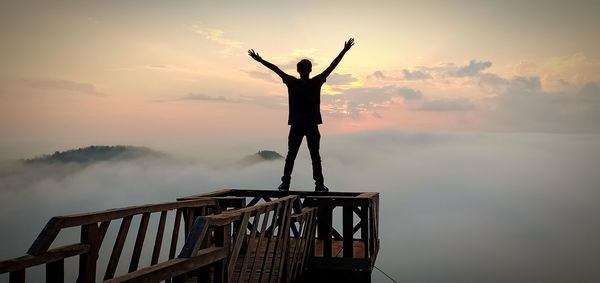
(284,187)
(321,188)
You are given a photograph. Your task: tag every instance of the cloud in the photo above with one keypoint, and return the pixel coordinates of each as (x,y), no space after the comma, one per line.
(408,75)
(490,82)
(590,91)
(66,85)
(570,62)
(217,36)
(472,69)
(522,104)
(269,101)
(454,207)
(415,75)
(522,85)
(421,73)
(265,76)
(380,75)
(205,97)
(340,79)
(366,95)
(409,93)
(351,102)
(518,103)
(446,105)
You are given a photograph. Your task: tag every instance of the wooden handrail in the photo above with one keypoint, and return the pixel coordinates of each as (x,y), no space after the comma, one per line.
(301,254)
(201,224)
(55,224)
(268,193)
(227,217)
(260,240)
(174,267)
(229,230)
(364,204)
(51,255)
(94,227)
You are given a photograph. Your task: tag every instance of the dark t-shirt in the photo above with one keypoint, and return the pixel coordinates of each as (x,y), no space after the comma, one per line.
(304,98)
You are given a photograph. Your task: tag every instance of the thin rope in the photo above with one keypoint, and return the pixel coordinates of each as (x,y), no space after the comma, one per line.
(385,274)
(390,277)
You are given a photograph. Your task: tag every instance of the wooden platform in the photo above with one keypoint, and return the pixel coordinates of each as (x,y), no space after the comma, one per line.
(264,274)
(337,247)
(229,236)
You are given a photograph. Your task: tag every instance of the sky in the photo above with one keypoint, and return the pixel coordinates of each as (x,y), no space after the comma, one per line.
(170,73)
(477,121)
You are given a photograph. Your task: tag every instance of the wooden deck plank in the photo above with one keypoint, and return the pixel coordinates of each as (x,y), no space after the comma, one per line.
(337,248)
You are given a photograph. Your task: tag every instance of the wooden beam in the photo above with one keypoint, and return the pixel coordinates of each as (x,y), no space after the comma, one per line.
(173,267)
(221,193)
(238,237)
(46,236)
(175,234)
(139,242)
(55,224)
(117,248)
(159,237)
(259,244)
(17,276)
(347,229)
(55,271)
(21,263)
(251,244)
(90,234)
(194,238)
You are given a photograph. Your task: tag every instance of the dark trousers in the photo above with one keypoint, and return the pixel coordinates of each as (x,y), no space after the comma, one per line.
(313,138)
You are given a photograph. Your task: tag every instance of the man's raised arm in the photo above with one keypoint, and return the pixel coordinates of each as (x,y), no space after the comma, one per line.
(347,45)
(267,64)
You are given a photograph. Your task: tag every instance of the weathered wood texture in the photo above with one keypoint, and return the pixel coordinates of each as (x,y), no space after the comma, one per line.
(230,236)
(359,219)
(248,246)
(93,230)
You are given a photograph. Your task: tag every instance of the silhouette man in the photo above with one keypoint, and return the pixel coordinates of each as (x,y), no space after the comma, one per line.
(304,96)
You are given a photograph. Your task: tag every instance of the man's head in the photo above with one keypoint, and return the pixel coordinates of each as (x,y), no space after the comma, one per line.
(304,67)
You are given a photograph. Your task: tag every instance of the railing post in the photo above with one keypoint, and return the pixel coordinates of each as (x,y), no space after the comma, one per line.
(203,274)
(17,276)
(348,231)
(87,261)
(55,271)
(325,220)
(364,229)
(222,238)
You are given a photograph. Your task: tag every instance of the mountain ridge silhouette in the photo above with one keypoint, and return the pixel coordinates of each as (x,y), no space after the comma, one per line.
(95,153)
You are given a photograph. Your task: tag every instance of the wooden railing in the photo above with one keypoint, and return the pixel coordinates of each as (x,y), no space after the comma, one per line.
(267,236)
(354,247)
(303,237)
(252,244)
(356,252)
(93,231)
(262,229)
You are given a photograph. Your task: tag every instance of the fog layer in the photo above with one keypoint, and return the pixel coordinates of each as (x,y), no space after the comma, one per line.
(460,207)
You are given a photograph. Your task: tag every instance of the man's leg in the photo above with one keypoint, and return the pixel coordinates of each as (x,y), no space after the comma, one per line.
(294,141)
(313,139)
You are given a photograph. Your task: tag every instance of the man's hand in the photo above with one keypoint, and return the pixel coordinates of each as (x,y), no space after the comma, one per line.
(348,44)
(254,55)
(267,64)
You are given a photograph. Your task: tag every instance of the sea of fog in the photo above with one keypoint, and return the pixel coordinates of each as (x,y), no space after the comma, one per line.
(455,207)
